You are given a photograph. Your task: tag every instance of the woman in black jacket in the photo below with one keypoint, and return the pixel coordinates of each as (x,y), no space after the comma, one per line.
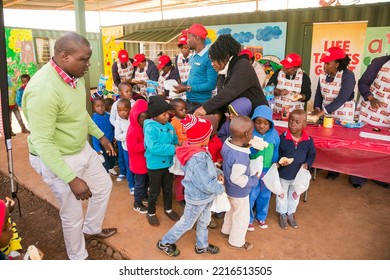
(236,78)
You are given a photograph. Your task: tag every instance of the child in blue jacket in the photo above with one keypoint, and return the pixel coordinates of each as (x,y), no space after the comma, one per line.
(160,141)
(260,195)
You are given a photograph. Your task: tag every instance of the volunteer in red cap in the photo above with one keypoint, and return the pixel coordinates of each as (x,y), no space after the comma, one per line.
(145,69)
(292,85)
(259,69)
(122,70)
(202,78)
(182,59)
(167,72)
(335,90)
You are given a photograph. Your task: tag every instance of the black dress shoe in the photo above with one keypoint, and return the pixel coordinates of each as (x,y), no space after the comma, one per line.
(357,186)
(105,233)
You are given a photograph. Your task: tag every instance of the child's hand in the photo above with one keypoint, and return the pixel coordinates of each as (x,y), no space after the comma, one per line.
(305,166)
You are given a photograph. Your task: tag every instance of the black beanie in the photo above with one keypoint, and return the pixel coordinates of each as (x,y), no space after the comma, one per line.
(157,105)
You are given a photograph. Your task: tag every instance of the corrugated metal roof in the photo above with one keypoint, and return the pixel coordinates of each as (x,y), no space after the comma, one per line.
(161,36)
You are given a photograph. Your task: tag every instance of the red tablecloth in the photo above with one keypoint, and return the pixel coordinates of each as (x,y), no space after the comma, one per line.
(343,150)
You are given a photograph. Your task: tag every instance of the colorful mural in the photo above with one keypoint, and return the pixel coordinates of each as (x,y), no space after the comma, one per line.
(20,53)
(110,50)
(262,38)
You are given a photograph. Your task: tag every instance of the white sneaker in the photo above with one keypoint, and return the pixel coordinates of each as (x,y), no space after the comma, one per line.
(112,171)
(120,178)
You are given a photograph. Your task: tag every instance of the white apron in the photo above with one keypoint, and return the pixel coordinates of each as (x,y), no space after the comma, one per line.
(161,80)
(124,74)
(142,76)
(292,86)
(380,89)
(183,68)
(330,91)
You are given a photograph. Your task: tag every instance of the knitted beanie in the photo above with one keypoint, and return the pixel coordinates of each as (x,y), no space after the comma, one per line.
(3,208)
(157,105)
(197,129)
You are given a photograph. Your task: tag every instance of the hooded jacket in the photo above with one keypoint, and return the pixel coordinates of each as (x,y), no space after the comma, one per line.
(270,154)
(200,176)
(135,139)
(243,107)
(160,140)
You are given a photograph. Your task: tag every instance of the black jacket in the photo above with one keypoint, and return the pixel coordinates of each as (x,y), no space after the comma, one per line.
(241,81)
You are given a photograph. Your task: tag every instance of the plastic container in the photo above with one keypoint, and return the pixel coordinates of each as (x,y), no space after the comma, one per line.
(328,122)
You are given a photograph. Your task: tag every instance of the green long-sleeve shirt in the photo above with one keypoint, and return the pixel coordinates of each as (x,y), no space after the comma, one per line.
(58,120)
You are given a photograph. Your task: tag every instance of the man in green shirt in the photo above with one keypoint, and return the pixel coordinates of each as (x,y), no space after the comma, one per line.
(54,103)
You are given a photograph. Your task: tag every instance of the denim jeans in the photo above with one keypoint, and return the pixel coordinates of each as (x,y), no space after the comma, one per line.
(121,159)
(160,178)
(261,196)
(140,187)
(287,204)
(129,174)
(192,213)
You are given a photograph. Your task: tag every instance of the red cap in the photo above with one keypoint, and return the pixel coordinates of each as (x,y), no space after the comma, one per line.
(249,53)
(162,61)
(182,40)
(123,56)
(199,30)
(333,53)
(3,211)
(138,58)
(197,129)
(291,60)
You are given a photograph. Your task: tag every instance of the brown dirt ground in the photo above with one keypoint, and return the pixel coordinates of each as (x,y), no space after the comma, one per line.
(40,224)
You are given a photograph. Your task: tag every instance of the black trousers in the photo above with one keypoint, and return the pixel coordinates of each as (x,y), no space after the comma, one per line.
(160,178)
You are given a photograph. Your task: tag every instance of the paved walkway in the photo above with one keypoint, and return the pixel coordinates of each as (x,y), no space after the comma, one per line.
(337,222)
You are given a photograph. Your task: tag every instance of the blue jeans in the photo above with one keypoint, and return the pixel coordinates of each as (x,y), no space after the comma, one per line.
(140,187)
(261,196)
(192,213)
(129,174)
(121,159)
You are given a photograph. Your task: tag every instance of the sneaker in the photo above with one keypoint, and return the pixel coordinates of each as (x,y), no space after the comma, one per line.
(140,208)
(291,221)
(132,191)
(262,224)
(213,224)
(172,215)
(211,249)
(152,220)
(283,221)
(120,178)
(169,249)
(112,171)
(247,246)
(251,227)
